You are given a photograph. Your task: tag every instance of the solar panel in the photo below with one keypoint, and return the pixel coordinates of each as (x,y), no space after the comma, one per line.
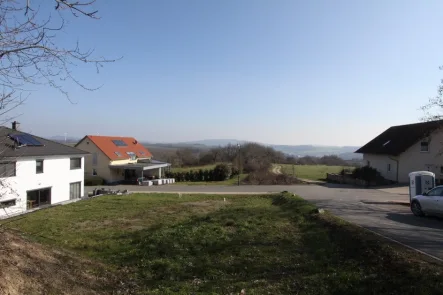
(25,139)
(119,142)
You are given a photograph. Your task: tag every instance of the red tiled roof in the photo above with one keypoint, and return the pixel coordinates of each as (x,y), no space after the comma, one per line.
(107,146)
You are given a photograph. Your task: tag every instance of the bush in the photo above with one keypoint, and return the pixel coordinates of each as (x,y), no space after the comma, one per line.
(210,175)
(94,181)
(266,177)
(234,171)
(221,172)
(367,173)
(206,175)
(200,176)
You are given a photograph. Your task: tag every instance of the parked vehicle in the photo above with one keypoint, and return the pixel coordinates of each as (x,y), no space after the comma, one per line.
(428,203)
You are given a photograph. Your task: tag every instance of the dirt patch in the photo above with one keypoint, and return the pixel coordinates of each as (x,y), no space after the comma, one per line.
(27,267)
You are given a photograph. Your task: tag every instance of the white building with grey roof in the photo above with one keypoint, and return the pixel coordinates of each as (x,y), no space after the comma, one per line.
(36,172)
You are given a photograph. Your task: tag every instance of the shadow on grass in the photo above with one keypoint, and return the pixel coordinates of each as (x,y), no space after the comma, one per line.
(283,248)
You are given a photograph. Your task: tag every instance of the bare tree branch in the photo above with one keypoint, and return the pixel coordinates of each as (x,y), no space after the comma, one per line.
(30,54)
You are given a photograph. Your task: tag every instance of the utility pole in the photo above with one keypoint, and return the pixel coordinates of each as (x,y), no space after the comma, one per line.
(238,164)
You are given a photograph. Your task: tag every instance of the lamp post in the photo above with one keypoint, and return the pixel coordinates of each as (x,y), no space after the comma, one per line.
(238,164)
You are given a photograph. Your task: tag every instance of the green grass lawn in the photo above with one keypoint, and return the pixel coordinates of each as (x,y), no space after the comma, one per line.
(201,244)
(312,172)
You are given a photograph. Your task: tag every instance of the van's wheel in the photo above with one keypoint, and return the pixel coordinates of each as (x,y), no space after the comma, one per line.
(416,209)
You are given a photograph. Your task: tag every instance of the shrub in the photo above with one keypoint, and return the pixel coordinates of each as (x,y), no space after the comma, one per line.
(206,175)
(234,171)
(210,175)
(200,176)
(221,172)
(266,177)
(367,173)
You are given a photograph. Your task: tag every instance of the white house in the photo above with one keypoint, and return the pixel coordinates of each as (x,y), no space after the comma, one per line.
(36,172)
(119,159)
(406,148)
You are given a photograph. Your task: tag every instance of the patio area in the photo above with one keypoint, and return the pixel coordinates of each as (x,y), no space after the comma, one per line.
(149,172)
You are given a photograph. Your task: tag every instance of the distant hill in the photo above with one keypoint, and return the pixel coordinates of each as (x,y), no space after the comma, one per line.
(61,138)
(344,152)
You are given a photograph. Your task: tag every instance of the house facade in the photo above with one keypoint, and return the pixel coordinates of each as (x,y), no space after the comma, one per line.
(406,148)
(119,159)
(36,172)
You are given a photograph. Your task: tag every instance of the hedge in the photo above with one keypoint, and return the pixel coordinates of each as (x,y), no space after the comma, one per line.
(219,173)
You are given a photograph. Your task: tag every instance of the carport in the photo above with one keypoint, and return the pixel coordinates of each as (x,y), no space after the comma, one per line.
(133,171)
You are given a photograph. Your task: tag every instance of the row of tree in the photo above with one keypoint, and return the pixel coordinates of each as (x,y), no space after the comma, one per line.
(248,157)
(219,173)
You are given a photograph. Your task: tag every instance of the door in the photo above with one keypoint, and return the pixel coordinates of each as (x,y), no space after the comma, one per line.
(75,190)
(433,200)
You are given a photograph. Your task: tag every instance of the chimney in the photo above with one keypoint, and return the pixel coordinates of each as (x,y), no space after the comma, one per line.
(16,125)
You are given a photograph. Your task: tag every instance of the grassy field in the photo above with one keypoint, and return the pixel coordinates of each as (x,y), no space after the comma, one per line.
(197,244)
(312,172)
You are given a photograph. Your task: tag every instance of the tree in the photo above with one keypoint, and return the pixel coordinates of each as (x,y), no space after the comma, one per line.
(30,53)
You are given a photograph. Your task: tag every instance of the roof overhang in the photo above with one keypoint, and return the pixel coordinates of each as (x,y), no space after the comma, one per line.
(139,166)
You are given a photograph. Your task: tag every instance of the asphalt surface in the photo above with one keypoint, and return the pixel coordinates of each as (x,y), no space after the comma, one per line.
(369,208)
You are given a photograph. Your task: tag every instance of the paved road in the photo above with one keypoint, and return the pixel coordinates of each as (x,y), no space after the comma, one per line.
(365,207)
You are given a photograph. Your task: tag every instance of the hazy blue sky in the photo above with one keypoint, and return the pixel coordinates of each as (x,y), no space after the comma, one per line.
(283,72)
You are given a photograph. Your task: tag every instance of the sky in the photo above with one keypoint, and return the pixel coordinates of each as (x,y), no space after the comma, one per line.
(277,72)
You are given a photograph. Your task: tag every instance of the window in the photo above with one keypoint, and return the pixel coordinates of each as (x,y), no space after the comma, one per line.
(94,172)
(119,142)
(131,155)
(94,159)
(76,163)
(142,153)
(424,146)
(7,169)
(118,154)
(8,203)
(38,198)
(75,190)
(441,169)
(389,167)
(39,166)
(438,191)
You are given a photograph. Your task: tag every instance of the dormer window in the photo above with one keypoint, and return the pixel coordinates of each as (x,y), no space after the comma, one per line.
(424,146)
(132,155)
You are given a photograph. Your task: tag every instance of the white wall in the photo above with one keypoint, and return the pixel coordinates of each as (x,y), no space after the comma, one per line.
(380,162)
(57,175)
(415,160)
